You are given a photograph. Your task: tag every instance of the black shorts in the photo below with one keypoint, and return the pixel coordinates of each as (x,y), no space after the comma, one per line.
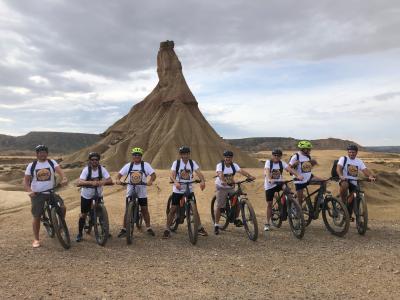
(301,186)
(176,198)
(142,201)
(352,187)
(86,204)
(269,194)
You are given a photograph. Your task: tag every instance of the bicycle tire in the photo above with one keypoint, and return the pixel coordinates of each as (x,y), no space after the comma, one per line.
(192,219)
(362,215)
(224,215)
(130,222)
(175,223)
(334,209)
(139,219)
(306,211)
(250,219)
(295,212)
(88,222)
(276,212)
(60,227)
(46,220)
(101,225)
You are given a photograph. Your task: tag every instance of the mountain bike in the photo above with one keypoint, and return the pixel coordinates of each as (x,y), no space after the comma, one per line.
(187,210)
(334,212)
(133,213)
(53,219)
(97,218)
(234,201)
(285,207)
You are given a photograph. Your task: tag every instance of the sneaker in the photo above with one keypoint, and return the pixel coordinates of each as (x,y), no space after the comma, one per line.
(238,223)
(203,232)
(151,232)
(267,227)
(216,229)
(79,238)
(36,244)
(122,233)
(166,234)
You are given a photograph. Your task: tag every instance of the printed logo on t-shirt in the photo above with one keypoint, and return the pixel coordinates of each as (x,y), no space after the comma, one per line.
(275,174)
(43,174)
(306,166)
(185,174)
(136,177)
(228,178)
(352,170)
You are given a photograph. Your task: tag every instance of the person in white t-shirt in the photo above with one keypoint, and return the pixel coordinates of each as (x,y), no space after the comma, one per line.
(40,177)
(273,171)
(93,174)
(347,169)
(224,183)
(301,162)
(183,170)
(137,171)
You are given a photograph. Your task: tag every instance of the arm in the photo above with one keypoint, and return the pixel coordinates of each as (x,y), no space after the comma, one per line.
(173,179)
(293,172)
(202,180)
(369,174)
(118,179)
(246,174)
(221,177)
(27,185)
(153,177)
(60,172)
(339,170)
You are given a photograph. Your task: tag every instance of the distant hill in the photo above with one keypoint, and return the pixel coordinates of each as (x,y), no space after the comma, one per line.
(388,149)
(269,143)
(58,142)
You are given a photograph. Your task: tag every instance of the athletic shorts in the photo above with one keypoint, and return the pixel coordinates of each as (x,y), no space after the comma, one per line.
(38,202)
(142,201)
(176,198)
(352,187)
(270,193)
(221,195)
(301,186)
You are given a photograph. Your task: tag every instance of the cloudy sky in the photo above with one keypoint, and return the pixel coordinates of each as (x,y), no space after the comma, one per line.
(304,69)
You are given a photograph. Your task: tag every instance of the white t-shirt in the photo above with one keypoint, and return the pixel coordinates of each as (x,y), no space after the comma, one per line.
(228,174)
(184,174)
(350,170)
(303,168)
(88,193)
(275,173)
(43,176)
(136,176)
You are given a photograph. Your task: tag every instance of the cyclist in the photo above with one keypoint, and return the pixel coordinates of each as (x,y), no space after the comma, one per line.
(224,183)
(301,162)
(347,169)
(39,177)
(137,171)
(182,170)
(273,170)
(96,175)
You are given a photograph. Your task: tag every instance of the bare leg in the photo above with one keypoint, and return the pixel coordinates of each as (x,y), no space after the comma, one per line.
(146,215)
(36,227)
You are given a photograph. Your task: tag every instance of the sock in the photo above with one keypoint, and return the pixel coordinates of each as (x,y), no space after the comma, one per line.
(81,225)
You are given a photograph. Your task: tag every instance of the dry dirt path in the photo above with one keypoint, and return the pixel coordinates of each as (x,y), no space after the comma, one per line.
(224,266)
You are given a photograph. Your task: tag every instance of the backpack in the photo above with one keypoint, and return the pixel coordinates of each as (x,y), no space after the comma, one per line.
(34,163)
(178,164)
(232,166)
(280,166)
(89,175)
(334,173)
(131,167)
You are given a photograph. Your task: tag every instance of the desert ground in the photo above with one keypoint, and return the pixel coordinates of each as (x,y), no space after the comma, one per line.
(229,265)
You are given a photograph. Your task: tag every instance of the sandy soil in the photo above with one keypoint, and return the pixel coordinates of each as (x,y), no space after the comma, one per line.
(225,266)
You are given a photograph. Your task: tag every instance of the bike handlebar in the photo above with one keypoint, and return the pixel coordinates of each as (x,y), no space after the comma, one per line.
(93,186)
(133,184)
(186,182)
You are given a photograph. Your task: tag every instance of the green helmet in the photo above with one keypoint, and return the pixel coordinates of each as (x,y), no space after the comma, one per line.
(137,150)
(304,145)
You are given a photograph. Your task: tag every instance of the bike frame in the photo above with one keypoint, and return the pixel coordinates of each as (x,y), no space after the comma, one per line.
(314,207)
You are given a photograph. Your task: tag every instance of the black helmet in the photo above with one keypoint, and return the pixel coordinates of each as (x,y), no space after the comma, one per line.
(94,154)
(184,149)
(277,152)
(41,148)
(228,153)
(352,147)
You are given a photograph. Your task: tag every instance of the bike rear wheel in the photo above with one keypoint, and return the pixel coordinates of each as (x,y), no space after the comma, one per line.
(249,219)
(362,214)
(60,227)
(335,216)
(224,213)
(46,220)
(192,219)
(130,222)
(306,211)
(175,221)
(295,218)
(101,227)
(276,219)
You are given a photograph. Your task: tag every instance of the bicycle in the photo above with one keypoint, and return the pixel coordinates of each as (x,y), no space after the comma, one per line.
(97,218)
(187,210)
(332,209)
(53,219)
(133,214)
(238,197)
(285,206)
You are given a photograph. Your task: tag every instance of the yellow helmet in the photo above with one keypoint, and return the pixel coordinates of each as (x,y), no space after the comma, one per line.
(137,150)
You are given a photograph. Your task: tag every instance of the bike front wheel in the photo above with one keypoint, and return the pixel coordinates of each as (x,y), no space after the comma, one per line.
(335,216)
(46,219)
(276,214)
(361,212)
(307,211)
(192,219)
(101,225)
(130,222)
(296,218)
(249,219)
(60,227)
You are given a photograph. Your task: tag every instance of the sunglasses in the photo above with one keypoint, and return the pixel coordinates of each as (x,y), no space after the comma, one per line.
(277,155)
(136,154)
(94,159)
